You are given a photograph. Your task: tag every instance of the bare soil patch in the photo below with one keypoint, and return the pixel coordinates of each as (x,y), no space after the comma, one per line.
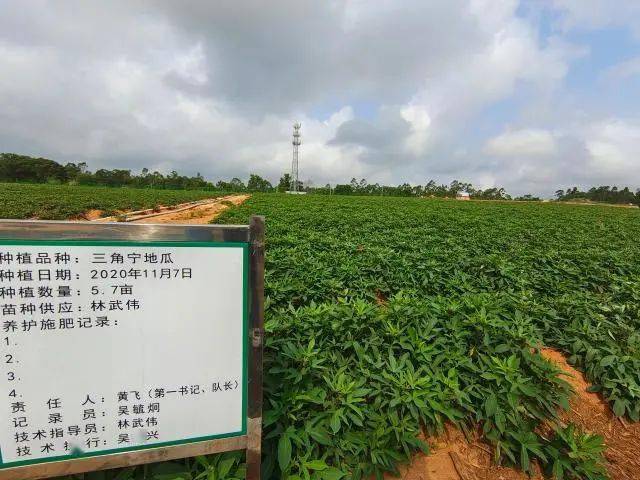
(381,299)
(92,214)
(195,213)
(590,203)
(198,215)
(592,413)
(454,457)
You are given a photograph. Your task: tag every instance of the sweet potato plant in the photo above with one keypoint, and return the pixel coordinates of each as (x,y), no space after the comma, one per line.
(387,317)
(60,202)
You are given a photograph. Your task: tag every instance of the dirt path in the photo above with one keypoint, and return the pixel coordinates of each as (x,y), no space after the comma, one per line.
(198,215)
(194,213)
(453,457)
(593,414)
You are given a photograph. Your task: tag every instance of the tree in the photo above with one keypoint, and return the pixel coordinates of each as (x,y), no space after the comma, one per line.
(112,178)
(527,198)
(345,189)
(285,183)
(237,185)
(22,168)
(430,187)
(308,185)
(404,190)
(72,171)
(454,188)
(258,184)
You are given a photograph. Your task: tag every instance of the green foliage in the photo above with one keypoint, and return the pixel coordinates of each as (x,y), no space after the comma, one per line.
(258,184)
(60,202)
(387,317)
(235,185)
(603,193)
(285,183)
(21,168)
(224,466)
(352,384)
(576,455)
(528,198)
(468,290)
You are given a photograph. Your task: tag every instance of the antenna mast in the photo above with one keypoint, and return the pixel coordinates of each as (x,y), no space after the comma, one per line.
(294,163)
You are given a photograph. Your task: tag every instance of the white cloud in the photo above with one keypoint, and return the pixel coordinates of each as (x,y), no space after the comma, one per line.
(624,70)
(601,152)
(593,14)
(214,87)
(418,118)
(613,147)
(527,142)
(509,57)
(207,87)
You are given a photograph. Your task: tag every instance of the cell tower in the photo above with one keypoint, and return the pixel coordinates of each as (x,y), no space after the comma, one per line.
(294,163)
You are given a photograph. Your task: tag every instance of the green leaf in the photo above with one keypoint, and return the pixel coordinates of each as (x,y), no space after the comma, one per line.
(491,405)
(169,471)
(557,470)
(527,390)
(499,420)
(608,360)
(321,436)
(224,467)
(524,458)
(284,452)
(332,473)
(619,407)
(335,421)
(315,465)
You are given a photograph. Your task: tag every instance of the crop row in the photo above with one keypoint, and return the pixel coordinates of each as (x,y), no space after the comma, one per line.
(60,202)
(385,316)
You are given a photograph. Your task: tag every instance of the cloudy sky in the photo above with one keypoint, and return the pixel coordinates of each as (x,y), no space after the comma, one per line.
(531,95)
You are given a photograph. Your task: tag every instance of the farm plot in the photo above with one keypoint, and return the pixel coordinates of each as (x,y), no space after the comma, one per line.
(390,319)
(60,202)
(389,316)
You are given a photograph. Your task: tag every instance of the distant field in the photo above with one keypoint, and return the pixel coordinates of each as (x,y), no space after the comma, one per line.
(59,202)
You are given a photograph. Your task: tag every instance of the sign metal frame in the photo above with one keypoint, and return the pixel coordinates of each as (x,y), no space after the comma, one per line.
(253,236)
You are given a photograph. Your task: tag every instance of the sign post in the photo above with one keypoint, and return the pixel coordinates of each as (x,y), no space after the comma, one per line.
(124,344)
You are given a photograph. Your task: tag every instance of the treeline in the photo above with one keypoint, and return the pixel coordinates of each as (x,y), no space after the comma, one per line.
(604,193)
(25,169)
(430,189)
(22,168)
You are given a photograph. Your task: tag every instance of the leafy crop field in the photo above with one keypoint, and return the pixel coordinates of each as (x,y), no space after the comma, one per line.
(386,315)
(60,202)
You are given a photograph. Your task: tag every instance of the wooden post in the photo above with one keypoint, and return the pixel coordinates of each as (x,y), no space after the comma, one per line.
(256,333)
